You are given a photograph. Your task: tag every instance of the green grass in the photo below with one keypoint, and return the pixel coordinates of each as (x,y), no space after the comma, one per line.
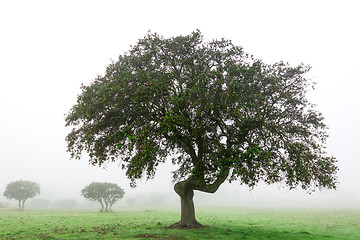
(221,224)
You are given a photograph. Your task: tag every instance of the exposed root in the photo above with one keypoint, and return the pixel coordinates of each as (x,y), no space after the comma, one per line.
(168,237)
(182,225)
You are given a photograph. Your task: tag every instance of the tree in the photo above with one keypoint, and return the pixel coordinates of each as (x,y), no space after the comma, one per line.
(107,194)
(21,191)
(218,112)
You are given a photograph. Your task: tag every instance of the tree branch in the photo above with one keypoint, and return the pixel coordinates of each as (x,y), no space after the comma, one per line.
(212,188)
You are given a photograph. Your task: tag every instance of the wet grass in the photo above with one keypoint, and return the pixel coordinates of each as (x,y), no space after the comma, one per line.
(221,224)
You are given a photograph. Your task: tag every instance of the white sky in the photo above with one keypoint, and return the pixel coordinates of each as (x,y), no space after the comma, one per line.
(48,48)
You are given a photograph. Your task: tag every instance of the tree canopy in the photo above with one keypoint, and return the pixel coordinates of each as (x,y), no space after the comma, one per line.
(218,112)
(21,191)
(107,194)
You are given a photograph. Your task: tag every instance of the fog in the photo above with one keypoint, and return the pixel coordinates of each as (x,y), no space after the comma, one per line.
(47,49)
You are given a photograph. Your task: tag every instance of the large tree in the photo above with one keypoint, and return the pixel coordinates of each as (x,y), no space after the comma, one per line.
(219,113)
(107,194)
(21,191)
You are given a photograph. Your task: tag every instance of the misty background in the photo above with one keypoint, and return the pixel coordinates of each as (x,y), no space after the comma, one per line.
(49,48)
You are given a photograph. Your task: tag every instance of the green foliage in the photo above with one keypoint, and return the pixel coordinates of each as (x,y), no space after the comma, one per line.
(21,191)
(216,110)
(107,194)
(224,224)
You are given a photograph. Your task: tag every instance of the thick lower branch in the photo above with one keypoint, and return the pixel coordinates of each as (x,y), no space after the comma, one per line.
(212,188)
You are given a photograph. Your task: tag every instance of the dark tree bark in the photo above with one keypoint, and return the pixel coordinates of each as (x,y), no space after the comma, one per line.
(185,189)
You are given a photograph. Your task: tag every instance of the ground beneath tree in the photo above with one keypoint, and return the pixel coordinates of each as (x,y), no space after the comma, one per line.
(179,225)
(154,236)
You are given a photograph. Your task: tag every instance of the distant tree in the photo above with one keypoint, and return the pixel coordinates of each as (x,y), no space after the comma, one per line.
(107,194)
(218,112)
(21,191)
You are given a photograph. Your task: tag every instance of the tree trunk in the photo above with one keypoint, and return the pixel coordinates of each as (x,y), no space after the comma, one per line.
(102,206)
(21,203)
(185,190)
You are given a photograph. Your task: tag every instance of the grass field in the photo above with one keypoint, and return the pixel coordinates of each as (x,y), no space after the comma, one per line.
(221,224)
